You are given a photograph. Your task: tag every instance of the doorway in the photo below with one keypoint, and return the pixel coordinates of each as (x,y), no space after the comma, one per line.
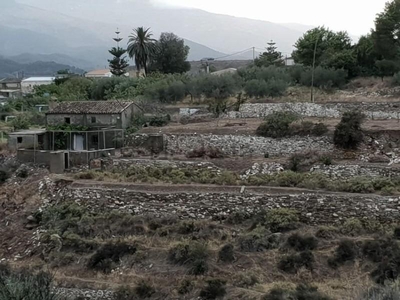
(66,160)
(78,142)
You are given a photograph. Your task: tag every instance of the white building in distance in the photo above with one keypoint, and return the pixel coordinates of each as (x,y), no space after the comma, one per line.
(28,84)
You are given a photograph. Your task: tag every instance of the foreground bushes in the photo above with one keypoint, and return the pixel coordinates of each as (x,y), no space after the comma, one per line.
(25,285)
(302,292)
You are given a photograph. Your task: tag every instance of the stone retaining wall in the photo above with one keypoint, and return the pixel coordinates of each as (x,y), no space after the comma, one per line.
(379,110)
(348,171)
(123,164)
(314,208)
(239,145)
(73,294)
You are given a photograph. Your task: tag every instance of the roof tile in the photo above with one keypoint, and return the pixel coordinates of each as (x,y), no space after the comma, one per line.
(90,107)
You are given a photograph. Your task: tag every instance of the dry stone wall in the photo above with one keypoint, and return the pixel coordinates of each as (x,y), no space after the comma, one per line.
(314,208)
(244,145)
(378,110)
(348,171)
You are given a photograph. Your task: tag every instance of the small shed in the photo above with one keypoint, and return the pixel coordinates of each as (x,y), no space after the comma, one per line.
(27,139)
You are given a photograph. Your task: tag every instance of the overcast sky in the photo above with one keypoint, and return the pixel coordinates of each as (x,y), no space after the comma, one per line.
(355,16)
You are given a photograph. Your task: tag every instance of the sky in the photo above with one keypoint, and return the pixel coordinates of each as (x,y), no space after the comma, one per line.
(355,16)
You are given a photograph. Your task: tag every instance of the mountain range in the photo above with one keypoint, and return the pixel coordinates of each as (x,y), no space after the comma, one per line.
(79,33)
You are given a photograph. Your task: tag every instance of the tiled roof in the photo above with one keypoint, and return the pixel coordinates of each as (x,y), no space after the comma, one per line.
(90,107)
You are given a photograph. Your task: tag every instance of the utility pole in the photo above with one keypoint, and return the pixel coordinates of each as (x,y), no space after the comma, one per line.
(254,54)
(313,70)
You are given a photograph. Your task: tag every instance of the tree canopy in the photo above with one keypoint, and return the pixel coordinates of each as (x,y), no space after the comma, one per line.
(119,63)
(141,47)
(171,55)
(270,57)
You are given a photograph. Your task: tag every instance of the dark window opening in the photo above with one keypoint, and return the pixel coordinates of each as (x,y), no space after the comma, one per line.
(67,120)
(93,119)
(95,140)
(19,140)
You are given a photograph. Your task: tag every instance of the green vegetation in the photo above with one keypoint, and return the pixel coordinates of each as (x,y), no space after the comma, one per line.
(215,289)
(283,179)
(26,285)
(277,125)
(348,133)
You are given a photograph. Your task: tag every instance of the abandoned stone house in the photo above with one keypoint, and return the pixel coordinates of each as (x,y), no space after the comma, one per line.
(76,133)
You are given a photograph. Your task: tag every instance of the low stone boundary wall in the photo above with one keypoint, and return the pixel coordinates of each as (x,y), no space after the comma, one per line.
(348,171)
(314,208)
(239,145)
(384,111)
(73,294)
(123,164)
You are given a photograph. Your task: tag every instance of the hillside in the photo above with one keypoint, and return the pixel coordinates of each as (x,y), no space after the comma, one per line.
(10,68)
(73,28)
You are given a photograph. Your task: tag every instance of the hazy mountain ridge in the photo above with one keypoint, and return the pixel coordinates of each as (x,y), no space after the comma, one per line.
(83,30)
(10,68)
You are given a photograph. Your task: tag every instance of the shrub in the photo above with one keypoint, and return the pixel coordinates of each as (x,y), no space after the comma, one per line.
(110,252)
(211,152)
(352,227)
(348,133)
(292,263)
(246,279)
(258,240)
(379,250)
(387,270)
(319,129)
(199,267)
(275,88)
(226,254)
(256,88)
(25,285)
(302,243)
(326,160)
(396,233)
(282,219)
(279,294)
(215,289)
(325,78)
(188,253)
(125,293)
(346,251)
(327,232)
(276,125)
(3,176)
(390,291)
(185,287)
(144,290)
(307,292)
(159,121)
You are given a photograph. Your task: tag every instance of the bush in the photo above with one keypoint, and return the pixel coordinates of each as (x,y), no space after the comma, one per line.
(258,241)
(246,279)
(381,249)
(110,252)
(159,121)
(302,243)
(211,152)
(277,125)
(185,287)
(226,254)
(352,227)
(348,133)
(186,254)
(199,267)
(325,78)
(256,88)
(275,88)
(215,289)
(292,263)
(346,251)
(3,176)
(319,129)
(302,292)
(20,122)
(387,270)
(27,286)
(326,232)
(282,219)
(144,290)
(391,291)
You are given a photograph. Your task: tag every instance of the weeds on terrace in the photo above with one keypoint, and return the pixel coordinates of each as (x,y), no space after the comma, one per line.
(25,285)
(282,179)
(303,291)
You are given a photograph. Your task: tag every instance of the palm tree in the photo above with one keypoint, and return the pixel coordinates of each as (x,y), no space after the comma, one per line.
(141,47)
